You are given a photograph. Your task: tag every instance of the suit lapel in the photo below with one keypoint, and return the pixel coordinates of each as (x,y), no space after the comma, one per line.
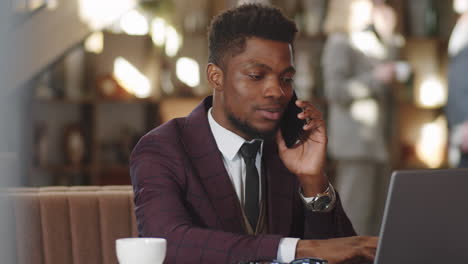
(280,185)
(207,160)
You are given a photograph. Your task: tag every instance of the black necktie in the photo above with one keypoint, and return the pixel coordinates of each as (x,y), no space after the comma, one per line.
(248,151)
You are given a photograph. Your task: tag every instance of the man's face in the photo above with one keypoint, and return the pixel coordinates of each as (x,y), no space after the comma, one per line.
(257,85)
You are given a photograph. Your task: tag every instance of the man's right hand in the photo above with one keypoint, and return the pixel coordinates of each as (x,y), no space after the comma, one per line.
(356,249)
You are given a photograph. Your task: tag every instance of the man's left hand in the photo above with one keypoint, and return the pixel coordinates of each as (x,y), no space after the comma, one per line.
(307,158)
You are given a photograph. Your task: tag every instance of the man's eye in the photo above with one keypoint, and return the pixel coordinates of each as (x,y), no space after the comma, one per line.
(288,80)
(255,77)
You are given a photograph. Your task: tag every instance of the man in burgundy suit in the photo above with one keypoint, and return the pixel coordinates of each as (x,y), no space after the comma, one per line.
(220,184)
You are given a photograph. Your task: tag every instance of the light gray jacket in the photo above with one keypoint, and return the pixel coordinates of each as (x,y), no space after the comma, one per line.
(344,67)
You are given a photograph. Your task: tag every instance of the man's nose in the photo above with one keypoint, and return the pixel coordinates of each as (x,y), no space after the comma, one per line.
(274,89)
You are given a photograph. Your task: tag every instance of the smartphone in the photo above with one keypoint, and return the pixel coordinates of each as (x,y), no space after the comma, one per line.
(291,125)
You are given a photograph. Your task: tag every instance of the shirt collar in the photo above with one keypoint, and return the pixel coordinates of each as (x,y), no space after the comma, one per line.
(228,142)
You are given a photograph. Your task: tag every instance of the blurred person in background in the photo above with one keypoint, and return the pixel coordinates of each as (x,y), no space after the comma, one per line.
(457,104)
(358,71)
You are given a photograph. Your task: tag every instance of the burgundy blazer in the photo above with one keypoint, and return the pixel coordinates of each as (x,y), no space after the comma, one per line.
(184,194)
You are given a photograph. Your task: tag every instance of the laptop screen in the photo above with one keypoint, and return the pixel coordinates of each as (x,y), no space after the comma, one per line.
(425,218)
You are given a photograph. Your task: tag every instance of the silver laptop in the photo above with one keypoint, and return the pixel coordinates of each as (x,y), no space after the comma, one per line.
(426,218)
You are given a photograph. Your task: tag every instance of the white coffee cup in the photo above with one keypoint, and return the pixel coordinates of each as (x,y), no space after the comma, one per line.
(141,250)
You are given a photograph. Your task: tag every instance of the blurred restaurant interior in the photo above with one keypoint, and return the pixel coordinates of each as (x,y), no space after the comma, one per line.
(85,79)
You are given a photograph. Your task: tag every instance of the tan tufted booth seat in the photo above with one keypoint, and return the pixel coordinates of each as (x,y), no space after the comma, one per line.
(75,225)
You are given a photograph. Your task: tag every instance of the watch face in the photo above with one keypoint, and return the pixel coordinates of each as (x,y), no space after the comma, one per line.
(322,202)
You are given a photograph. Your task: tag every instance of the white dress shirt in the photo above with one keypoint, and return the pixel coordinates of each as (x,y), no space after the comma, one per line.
(229,144)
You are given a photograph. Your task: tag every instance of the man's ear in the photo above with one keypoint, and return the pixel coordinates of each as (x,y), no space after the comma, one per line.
(214,75)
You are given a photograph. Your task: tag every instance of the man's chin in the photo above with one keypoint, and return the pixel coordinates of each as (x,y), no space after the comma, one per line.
(265,133)
(252,130)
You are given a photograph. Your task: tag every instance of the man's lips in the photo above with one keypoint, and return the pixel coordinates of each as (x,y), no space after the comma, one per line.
(271,113)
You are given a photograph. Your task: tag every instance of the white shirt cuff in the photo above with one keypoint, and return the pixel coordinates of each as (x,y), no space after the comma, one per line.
(307,199)
(287,249)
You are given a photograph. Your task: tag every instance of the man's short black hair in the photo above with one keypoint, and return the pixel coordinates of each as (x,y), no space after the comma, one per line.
(229,30)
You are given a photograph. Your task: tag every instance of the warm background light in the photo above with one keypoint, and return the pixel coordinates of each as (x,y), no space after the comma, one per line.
(188,71)
(173,41)
(432,93)
(95,42)
(432,142)
(131,79)
(163,33)
(98,14)
(158,31)
(134,23)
